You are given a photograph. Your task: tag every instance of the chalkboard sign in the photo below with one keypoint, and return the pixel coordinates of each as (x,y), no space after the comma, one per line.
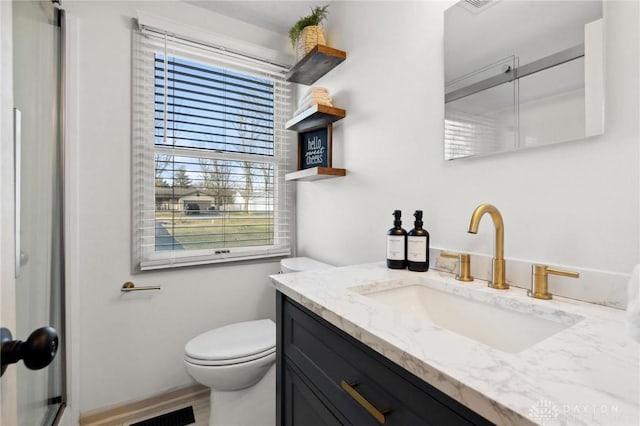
(314,148)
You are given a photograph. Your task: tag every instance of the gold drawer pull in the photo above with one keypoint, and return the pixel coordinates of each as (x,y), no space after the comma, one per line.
(379,415)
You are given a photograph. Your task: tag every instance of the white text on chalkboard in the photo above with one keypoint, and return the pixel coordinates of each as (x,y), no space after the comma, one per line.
(315,151)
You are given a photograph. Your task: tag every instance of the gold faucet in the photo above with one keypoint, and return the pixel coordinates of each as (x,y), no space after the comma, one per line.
(498,276)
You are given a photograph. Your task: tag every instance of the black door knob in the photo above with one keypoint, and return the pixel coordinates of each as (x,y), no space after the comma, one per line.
(37,352)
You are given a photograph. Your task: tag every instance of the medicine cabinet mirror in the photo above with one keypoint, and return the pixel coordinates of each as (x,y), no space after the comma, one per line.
(521,74)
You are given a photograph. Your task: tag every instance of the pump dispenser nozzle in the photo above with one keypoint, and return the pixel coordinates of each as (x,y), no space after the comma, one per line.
(418,216)
(397,214)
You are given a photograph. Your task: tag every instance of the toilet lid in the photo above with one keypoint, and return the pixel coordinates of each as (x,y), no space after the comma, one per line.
(301,264)
(269,353)
(233,341)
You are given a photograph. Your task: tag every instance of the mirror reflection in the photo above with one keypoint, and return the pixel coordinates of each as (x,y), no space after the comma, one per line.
(520,74)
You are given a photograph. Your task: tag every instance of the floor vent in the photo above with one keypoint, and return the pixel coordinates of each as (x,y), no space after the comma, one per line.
(181,417)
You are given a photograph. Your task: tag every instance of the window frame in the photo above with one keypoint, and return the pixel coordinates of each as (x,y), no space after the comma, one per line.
(144,150)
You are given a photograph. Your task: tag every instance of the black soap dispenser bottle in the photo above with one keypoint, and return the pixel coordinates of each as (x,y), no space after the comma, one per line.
(397,244)
(418,246)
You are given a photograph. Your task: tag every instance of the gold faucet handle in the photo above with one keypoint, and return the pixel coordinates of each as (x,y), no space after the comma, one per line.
(540,283)
(464,265)
(449,255)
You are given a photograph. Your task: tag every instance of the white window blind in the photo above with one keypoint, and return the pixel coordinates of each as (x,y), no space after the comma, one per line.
(209,155)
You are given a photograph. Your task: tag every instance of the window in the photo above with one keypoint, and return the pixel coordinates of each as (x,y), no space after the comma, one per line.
(210,154)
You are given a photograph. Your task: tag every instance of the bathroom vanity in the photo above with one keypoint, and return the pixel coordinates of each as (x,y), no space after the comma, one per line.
(328,376)
(353,348)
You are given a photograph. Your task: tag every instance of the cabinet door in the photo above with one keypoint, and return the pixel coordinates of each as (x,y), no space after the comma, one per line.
(303,407)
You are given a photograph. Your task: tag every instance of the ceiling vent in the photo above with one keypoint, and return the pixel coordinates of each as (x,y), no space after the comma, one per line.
(477,6)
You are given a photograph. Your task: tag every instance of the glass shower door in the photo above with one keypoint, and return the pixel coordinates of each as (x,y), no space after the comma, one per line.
(39,202)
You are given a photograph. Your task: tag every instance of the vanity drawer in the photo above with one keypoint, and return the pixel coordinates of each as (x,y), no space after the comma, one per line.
(351,372)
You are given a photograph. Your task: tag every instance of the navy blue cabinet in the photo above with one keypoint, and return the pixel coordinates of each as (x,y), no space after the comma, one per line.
(326,377)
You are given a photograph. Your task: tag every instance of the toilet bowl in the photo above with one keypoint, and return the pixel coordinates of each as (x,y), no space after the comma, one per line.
(237,361)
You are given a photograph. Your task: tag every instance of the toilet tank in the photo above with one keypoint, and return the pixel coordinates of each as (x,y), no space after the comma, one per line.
(300,264)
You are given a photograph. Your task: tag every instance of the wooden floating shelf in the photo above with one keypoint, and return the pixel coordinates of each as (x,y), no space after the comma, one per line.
(316,116)
(316,173)
(319,61)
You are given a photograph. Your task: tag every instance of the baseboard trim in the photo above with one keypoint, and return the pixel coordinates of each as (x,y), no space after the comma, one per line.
(128,411)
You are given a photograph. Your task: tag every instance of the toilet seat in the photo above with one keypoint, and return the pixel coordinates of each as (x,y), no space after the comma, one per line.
(239,360)
(233,343)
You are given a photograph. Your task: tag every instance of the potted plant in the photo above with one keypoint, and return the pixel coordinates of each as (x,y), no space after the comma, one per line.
(307,32)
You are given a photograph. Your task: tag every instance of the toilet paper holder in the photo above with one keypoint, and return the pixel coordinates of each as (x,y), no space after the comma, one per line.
(130,286)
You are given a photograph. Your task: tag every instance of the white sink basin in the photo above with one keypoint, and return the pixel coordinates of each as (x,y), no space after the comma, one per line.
(500,327)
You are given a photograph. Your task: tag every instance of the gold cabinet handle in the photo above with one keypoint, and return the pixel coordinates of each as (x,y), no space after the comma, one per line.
(540,283)
(379,415)
(129,286)
(464,265)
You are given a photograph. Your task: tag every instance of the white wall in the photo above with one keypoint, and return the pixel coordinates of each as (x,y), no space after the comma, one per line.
(131,345)
(575,203)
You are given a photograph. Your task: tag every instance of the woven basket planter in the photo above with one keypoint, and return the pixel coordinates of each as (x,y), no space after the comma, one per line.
(310,37)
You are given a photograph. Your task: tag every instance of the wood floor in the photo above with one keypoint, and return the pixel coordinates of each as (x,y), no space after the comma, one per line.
(201,410)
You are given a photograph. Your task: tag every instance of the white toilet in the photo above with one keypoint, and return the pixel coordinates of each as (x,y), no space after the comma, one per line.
(237,361)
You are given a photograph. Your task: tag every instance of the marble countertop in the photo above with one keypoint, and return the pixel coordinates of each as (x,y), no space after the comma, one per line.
(586,374)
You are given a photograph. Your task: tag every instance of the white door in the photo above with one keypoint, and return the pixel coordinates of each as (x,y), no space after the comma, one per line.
(32,252)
